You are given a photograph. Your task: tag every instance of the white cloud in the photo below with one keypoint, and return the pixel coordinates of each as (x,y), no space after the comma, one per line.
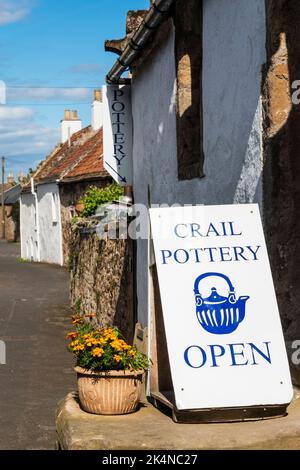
(44,93)
(12,11)
(14,114)
(22,135)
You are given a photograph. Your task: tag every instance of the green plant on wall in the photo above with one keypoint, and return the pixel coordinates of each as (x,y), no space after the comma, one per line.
(77,306)
(95,197)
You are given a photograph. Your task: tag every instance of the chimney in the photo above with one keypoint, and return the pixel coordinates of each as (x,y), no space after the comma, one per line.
(97,111)
(69,125)
(10,179)
(21,177)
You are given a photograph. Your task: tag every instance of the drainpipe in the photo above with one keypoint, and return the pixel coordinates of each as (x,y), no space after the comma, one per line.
(59,215)
(37,220)
(21,228)
(156,15)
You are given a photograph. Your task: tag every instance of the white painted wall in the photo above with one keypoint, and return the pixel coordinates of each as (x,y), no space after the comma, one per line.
(50,223)
(50,238)
(28,227)
(234,39)
(97,115)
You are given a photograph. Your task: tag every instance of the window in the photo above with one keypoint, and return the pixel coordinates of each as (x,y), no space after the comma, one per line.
(188,19)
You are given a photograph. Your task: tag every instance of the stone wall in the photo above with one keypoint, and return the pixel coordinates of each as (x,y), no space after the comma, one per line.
(102,276)
(281,158)
(12,226)
(70,194)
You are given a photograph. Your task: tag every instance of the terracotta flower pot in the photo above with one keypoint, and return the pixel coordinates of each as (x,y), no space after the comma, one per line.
(109,393)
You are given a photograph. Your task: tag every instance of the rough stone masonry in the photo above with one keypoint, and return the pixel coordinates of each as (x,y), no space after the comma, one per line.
(102,276)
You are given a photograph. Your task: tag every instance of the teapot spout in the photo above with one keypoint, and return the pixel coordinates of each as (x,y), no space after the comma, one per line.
(244,298)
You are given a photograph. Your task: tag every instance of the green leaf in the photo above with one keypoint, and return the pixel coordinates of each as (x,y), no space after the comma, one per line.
(95,197)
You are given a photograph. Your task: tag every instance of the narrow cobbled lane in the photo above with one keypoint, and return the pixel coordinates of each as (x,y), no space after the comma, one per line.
(34,318)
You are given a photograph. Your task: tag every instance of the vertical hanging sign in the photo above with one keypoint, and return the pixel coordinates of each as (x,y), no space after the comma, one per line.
(117,132)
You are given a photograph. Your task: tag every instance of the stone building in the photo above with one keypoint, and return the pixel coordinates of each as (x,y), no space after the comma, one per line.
(48,202)
(215,123)
(12,216)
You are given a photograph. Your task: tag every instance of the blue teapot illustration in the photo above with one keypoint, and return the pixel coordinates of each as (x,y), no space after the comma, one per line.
(217,314)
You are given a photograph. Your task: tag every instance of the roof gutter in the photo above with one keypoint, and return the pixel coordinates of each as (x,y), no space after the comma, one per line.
(156,15)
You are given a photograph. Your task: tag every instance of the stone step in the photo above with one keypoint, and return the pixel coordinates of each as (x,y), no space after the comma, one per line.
(149,429)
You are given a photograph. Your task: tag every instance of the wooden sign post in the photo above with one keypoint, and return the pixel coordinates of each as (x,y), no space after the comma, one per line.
(222,326)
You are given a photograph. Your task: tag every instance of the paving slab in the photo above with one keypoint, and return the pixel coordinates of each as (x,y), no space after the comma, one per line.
(149,428)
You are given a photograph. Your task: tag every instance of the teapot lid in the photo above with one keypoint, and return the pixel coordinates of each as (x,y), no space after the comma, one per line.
(215,298)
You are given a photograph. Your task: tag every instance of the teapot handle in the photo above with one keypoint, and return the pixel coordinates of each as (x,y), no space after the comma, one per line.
(203,276)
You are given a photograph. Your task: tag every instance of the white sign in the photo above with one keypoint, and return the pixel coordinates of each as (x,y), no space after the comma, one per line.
(223,329)
(117,132)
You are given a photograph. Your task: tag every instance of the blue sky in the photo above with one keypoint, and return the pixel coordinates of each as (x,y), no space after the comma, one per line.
(46,45)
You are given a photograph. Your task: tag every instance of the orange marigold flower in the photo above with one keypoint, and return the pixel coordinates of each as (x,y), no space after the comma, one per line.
(132,353)
(91,342)
(72,335)
(116,344)
(97,352)
(124,345)
(80,347)
(76,319)
(117,358)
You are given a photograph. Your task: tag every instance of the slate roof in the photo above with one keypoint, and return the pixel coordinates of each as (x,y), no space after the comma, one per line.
(12,195)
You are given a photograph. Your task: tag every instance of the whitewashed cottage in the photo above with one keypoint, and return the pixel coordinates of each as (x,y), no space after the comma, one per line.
(47,203)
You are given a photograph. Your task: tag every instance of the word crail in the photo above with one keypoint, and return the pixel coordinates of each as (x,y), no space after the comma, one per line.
(209,254)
